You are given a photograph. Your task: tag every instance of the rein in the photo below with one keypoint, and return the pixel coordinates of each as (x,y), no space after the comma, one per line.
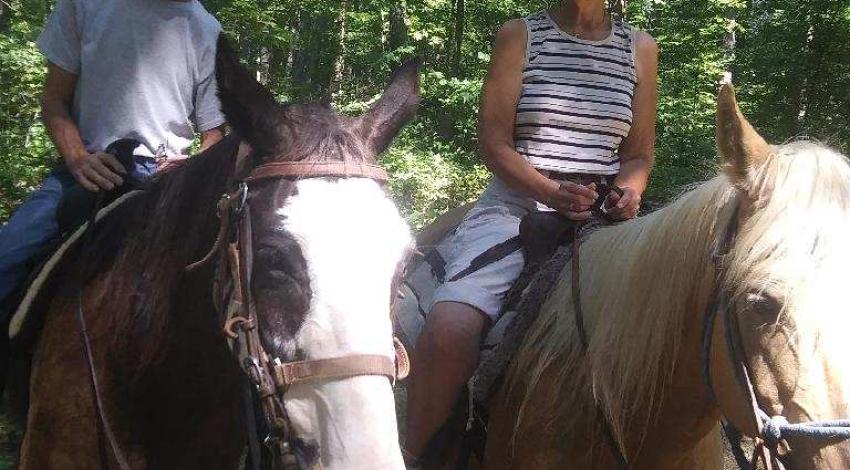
(604,190)
(268,376)
(104,425)
(770,443)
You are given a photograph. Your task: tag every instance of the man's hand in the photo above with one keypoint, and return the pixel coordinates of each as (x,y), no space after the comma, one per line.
(573,200)
(96,171)
(625,207)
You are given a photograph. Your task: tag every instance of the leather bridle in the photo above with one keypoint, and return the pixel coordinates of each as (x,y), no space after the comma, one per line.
(270,378)
(772,431)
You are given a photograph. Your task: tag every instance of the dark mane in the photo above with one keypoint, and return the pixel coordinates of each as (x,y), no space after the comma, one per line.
(144,248)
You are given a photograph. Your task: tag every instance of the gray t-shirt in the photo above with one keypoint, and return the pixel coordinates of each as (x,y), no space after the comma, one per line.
(146,70)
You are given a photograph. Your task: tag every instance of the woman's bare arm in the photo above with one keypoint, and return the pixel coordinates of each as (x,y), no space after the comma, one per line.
(637,149)
(497,115)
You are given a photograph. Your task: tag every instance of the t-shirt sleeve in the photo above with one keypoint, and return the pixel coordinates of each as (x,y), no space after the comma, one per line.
(60,41)
(208,113)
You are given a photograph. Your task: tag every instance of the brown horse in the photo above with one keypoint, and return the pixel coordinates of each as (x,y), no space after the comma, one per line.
(759,254)
(325,254)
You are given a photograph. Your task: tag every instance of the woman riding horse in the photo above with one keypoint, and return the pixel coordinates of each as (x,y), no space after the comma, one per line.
(569,103)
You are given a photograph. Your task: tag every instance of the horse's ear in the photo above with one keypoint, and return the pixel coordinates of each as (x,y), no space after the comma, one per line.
(379,126)
(741,147)
(247,105)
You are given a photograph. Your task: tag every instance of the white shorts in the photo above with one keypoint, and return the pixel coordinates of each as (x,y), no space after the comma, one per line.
(493,220)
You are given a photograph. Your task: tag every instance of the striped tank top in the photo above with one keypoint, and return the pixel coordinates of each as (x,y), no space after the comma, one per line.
(576,102)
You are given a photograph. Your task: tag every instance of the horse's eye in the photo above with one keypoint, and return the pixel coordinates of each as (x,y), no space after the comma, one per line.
(763,304)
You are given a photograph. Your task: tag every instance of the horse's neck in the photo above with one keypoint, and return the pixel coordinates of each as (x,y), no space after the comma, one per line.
(652,278)
(175,224)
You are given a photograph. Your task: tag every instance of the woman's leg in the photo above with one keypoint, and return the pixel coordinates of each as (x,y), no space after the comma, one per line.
(445,357)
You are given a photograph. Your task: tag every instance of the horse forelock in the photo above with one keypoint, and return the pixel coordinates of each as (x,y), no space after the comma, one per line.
(793,246)
(310,132)
(639,277)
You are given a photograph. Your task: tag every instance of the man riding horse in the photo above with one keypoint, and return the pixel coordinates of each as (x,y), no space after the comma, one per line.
(118,69)
(568,108)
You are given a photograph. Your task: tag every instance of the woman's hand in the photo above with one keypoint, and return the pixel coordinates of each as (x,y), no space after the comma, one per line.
(571,199)
(623,207)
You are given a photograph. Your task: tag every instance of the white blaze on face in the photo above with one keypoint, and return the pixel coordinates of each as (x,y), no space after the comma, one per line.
(353,238)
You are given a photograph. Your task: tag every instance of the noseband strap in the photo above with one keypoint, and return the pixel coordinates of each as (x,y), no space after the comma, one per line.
(294,373)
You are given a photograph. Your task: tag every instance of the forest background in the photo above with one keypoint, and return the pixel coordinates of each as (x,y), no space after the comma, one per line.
(790,60)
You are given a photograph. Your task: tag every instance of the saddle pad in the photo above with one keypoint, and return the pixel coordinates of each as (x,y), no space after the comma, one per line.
(34,290)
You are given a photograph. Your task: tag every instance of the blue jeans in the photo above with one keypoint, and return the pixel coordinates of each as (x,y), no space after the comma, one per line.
(33,229)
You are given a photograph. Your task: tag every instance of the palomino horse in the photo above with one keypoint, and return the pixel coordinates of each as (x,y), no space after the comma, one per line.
(762,247)
(326,251)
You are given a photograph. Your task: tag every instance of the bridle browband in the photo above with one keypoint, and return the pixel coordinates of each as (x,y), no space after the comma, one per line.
(770,443)
(329,169)
(269,377)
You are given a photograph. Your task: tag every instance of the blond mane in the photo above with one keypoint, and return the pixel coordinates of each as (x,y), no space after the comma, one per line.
(641,282)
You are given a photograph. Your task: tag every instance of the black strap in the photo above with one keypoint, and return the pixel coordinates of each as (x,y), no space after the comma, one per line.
(437,263)
(254,453)
(489,256)
(608,433)
(733,435)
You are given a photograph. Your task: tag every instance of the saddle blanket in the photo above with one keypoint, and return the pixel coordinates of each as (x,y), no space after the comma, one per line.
(36,292)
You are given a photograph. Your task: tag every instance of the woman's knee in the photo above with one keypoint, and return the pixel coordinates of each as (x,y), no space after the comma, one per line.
(453,328)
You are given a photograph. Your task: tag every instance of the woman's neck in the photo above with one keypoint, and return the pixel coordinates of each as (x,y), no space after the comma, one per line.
(586,17)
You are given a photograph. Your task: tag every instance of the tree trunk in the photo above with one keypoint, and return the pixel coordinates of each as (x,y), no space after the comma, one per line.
(730,40)
(263,65)
(4,13)
(339,60)
(398,35)
(818,90)
(460,21)
(300,53)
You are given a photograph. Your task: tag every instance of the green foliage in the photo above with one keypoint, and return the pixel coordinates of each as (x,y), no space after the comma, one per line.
(791,64)
(691,62)
(25,150)
(429,175)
